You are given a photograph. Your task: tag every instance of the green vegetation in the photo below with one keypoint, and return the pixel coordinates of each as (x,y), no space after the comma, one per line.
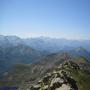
(81,77)
(22,75)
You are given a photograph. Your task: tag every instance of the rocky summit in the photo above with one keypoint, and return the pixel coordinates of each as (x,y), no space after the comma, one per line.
(56,72)
(59,79)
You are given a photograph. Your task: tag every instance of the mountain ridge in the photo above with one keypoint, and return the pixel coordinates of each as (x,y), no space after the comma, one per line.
(45,43)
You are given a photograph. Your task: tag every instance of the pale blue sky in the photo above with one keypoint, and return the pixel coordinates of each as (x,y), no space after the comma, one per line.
(53,18)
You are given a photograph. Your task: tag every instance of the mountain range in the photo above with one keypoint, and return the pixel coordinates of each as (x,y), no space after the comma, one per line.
(24,62)
(15,50)
(45,43)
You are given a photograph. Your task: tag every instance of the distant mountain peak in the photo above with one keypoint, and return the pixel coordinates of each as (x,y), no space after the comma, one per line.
(80,49)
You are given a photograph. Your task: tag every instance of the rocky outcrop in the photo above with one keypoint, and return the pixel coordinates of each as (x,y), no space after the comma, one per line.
(59,79)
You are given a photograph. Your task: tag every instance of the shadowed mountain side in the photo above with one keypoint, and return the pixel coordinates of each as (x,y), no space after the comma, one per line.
(17,54)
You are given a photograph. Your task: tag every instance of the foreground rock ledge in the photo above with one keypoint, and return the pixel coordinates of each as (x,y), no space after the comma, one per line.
(59,79)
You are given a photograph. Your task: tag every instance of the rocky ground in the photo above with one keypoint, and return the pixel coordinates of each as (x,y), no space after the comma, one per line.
(58,72)
(59,79)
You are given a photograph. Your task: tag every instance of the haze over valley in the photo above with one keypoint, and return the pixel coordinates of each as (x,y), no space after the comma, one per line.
(44,44)
(27,60)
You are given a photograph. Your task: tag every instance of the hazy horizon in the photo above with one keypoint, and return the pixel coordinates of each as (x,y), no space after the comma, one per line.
(68,19)
(43,37)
